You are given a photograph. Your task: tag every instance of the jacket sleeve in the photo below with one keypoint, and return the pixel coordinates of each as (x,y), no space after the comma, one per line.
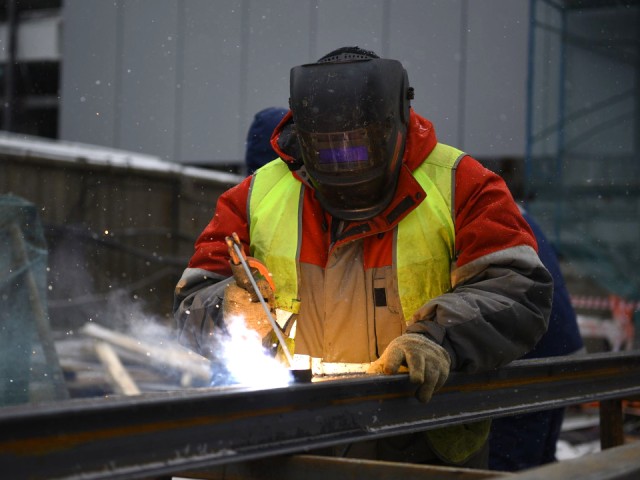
(197,305)
(501,294)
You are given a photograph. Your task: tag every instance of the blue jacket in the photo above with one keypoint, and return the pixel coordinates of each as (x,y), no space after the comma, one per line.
(562,336)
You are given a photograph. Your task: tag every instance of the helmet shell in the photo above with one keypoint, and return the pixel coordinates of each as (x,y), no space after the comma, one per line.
(351,122)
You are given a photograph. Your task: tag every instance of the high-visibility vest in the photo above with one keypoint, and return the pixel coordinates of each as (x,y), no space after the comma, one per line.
(425,237)
(425,248)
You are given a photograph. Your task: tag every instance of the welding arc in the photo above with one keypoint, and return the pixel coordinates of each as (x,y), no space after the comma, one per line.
(274,324)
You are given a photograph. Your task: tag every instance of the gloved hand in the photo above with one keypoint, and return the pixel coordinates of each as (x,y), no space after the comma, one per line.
(240,302)
(427,361)
(260,274)
(240,297)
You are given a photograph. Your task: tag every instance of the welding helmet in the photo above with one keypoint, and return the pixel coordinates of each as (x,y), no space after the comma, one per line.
(351,111)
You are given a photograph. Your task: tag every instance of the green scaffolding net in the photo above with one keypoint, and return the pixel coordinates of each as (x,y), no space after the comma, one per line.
(583,140)
(29,366)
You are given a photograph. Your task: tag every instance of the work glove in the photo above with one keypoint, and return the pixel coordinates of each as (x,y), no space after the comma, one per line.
(428,362)
(261,276)
(240,298)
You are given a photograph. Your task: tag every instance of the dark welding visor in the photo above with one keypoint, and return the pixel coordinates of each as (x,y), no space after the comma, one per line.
(353,151)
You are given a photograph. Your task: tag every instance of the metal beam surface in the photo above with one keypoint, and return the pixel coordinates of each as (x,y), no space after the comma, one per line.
(147,435)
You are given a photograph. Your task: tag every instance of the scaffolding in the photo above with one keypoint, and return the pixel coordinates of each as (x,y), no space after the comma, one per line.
(582,163)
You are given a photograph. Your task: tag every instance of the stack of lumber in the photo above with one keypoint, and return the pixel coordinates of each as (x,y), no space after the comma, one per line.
(101,361)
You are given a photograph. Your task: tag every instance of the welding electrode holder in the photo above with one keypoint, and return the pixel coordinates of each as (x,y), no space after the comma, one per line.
(257,269)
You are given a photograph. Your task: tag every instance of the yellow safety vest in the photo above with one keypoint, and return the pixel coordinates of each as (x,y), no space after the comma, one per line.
(425,240)
(423,256)
(424,250)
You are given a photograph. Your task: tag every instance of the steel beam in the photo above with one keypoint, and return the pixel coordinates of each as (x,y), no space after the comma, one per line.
(146,435)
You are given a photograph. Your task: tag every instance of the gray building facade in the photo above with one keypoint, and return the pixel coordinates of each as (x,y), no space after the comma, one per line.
(182,79)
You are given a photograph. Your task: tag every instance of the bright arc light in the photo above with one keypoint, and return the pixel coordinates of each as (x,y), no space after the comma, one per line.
(248,362)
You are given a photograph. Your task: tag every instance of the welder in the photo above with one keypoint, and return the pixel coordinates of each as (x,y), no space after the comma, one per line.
(387,249)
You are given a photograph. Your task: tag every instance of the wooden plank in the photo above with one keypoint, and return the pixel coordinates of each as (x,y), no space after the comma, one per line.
(120,378)
(179,359)
(312,467)
(611,431)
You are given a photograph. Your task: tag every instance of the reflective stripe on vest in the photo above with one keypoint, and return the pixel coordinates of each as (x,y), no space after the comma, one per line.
(424,244)
(275,200)
(319,367)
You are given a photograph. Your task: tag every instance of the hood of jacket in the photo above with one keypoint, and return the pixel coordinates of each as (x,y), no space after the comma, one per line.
(421,140)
